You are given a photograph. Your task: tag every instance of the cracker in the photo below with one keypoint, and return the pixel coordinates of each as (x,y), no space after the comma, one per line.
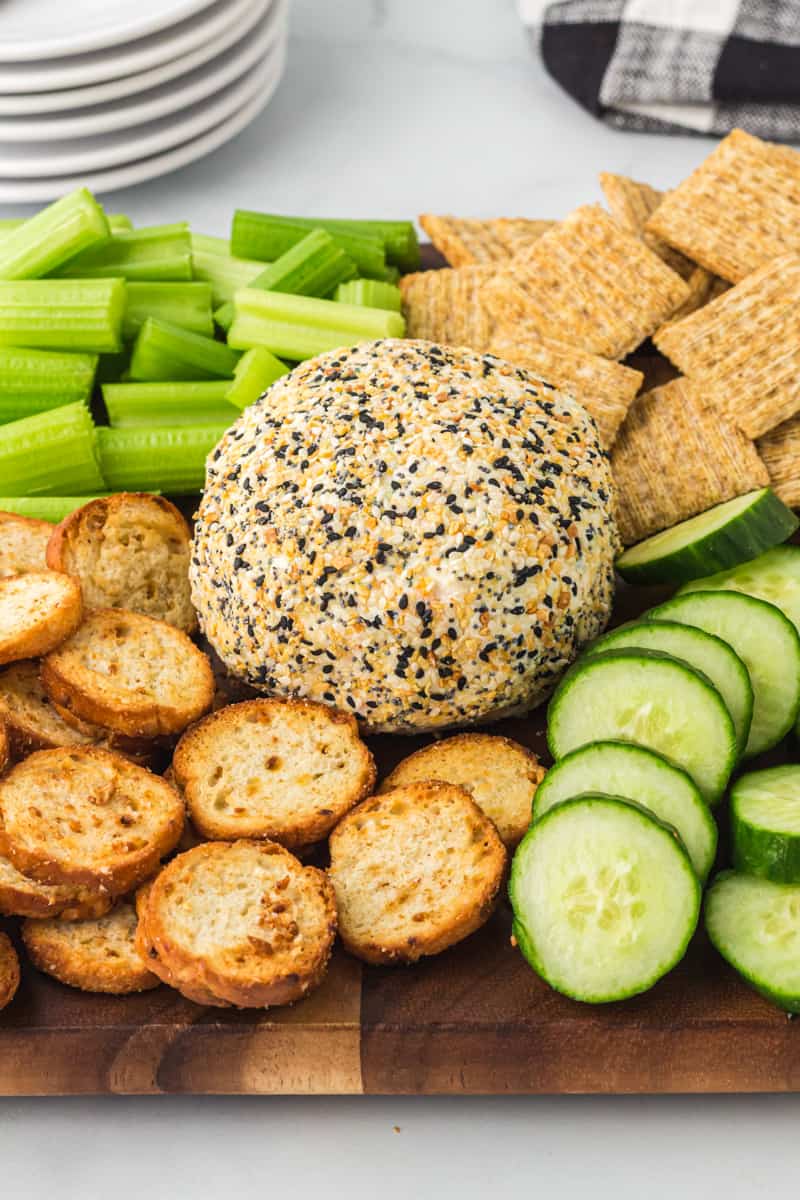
(674,458)
(590,282)
(743,350)
(780,450)
(447,306)
(631,204)
(737,210)
(464,241)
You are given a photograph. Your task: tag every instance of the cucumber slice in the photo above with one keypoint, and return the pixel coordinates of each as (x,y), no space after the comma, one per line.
(755,926)
(720,538)
(774,577)
(767,644)
(620,769)
(700,650)
(653,700)
(765,824)
(605,898)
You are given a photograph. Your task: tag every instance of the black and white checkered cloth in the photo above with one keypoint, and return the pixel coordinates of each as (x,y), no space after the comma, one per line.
(701,66)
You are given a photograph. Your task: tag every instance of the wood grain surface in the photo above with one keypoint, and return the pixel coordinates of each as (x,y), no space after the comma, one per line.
(472,1020)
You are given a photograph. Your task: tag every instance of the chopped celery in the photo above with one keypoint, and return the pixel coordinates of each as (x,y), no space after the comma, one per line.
(264,236)
(46,508)
(173,460)
(118,222)
(42,243)
(150,404)
(155,253)
(214,263)
(371,293)
(62,314)
(52,453)
(314,266)
(185,304)
(34,381)
(399,238)
(256,370)
(298,327)
(166,352)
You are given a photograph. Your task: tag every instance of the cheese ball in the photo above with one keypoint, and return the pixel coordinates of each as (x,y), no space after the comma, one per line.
(420,535)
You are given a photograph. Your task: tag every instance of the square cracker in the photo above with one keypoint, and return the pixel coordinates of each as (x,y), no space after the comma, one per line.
(446,306)
(780,450)
(743,349)
(589,282)
(464,242)
(674,457)
(739,209)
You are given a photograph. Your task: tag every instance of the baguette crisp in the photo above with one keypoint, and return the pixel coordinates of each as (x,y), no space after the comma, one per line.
(9,971)
(87,817)
(23,544)
(38,611)
(21,896)
(131,551)
(183,983)
(415,870)
(96,956)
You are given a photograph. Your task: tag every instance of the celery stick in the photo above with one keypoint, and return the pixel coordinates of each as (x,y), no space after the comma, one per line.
(34,381)
(185,304)
(371,293)
(166,352)
(173,460)
(150,404)
(46,508)
(298,327)
(62,314)
(312,267)
(119,223)
(265,236)
(256,370)
(155,253)
(40,244)
(52,453)
(392,274)
(214,263)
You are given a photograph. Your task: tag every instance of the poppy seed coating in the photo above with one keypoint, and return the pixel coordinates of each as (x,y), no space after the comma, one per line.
(419,535)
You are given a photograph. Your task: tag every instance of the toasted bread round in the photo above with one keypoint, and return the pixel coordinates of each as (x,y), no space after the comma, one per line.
(246,921)
(9,971)
(414,871)
(34,722)
(287,770)
(87,816)
(38,611)
(21,896)
(130,673)
(96,956)
(188,987)
(23,544)
(501,776)
(131,551)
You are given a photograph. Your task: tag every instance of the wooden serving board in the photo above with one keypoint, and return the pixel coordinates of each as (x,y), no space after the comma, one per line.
(472,1020)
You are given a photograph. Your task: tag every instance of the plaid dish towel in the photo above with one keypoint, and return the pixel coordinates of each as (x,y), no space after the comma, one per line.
(676,66)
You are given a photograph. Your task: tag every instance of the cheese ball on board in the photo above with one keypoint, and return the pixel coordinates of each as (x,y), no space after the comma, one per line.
(422,536)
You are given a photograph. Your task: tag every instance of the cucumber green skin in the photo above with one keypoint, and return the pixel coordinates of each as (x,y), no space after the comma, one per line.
(585,663)
(762,852)
(783,1000)
(766,523)
(526,943)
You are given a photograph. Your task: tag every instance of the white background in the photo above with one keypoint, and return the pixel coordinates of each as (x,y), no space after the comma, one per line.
(391,107)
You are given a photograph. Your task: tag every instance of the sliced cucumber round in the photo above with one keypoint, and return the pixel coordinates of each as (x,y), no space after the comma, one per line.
(765,824)
(620,769)
(605,898)
(766,642)
(653,700)
(774,577)
(755,926)
(699,649)
(720,538)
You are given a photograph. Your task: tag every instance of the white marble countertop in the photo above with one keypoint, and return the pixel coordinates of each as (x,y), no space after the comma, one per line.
(390,107)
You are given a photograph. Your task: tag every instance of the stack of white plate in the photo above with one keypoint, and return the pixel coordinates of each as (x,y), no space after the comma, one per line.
(108,93)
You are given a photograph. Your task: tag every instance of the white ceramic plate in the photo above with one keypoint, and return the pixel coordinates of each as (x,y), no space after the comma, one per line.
(42,190)
(31,29)
(47,75)
(159,102)
(34,103)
